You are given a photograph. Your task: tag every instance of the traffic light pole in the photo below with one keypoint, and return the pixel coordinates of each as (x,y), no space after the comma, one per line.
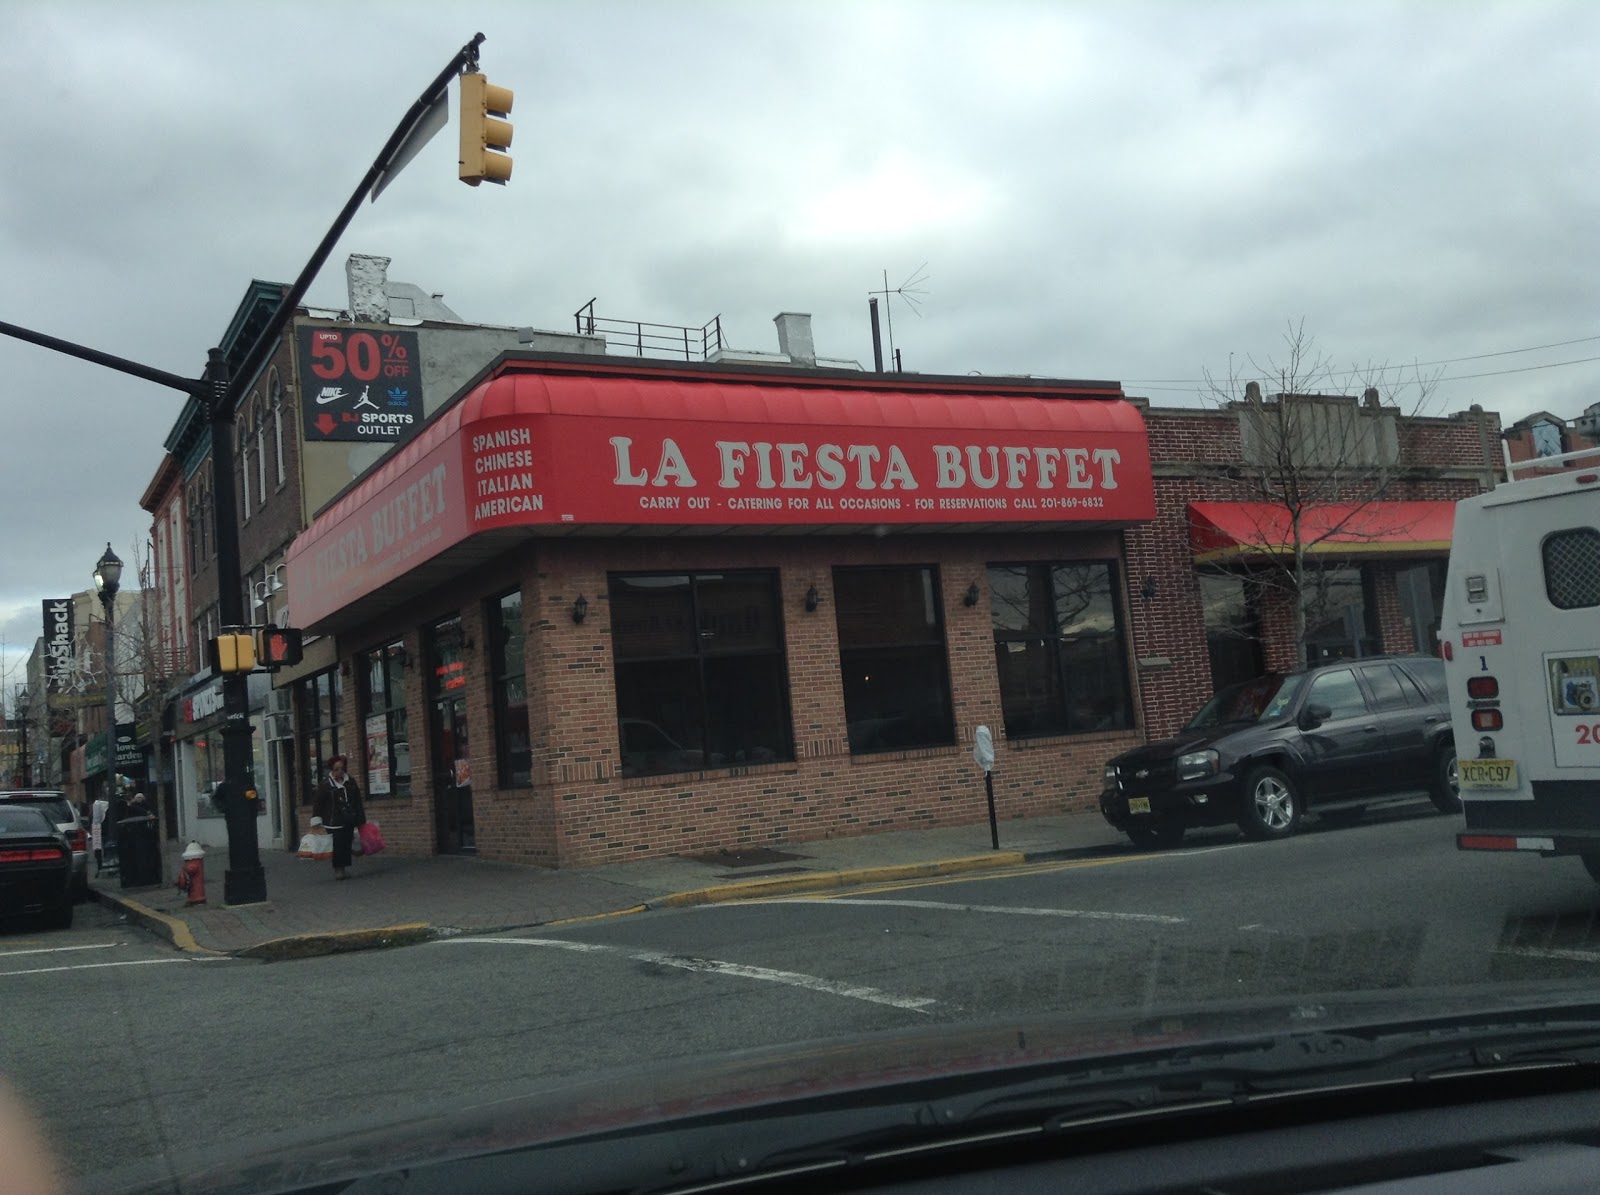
(245,881)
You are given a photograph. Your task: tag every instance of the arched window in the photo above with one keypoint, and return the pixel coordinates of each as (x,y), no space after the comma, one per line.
(243,437)
(261,453)
(275,394)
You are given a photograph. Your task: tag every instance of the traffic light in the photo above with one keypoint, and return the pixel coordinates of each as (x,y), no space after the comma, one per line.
(484,136)
(233,651)
(279,647)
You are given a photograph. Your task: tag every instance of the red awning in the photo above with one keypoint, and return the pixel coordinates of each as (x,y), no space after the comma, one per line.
(1220,531)
(548,448)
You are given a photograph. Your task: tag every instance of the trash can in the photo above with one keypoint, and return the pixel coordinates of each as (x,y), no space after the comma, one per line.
(139,852)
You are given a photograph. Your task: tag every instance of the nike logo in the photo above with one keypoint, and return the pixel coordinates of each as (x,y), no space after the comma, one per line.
(330,394)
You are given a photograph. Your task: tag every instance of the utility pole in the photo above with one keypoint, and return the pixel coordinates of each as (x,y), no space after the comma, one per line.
(218,392)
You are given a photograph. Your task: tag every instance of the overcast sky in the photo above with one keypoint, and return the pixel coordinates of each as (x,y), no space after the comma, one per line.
(1098,190)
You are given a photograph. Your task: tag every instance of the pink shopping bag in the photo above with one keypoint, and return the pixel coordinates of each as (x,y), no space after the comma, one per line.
(371,839)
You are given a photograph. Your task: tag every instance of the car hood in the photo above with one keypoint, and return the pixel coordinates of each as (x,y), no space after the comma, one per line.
(818,1077)
(1163,750)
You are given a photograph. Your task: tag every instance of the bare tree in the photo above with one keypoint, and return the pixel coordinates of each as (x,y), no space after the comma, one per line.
(1317,464)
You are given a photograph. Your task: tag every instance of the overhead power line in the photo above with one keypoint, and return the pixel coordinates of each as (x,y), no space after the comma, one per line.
(1156,383)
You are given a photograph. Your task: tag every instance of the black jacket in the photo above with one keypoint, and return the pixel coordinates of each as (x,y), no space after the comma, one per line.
(332,812)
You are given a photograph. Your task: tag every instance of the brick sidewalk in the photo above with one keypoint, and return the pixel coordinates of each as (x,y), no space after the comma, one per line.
(445,893)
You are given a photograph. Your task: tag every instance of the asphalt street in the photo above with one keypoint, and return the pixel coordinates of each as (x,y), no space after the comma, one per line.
(127,1048)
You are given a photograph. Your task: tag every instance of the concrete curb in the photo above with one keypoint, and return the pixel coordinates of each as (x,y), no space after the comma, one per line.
(170,928)
(823,880)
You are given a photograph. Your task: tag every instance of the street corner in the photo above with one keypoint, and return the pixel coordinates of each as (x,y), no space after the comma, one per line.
(174,929)
(842,878)
(302,946)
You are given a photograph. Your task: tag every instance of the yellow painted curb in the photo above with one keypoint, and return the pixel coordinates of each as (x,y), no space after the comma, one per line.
(595,916)
(337,942)
(177,931)
(822,880)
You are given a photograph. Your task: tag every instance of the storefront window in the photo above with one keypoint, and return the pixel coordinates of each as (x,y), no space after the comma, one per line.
(892,658)
(207,772)
(699,671)
(319,716)
(1339,622)
(510,689)
(1422,603)
(1060,648)
(383,702)
(1233,634)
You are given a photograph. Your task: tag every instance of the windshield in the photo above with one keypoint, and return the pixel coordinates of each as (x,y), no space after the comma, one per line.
(820,541)
(1260,700)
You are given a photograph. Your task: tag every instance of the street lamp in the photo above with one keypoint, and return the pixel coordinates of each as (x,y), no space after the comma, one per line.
(23,699)
(108,579)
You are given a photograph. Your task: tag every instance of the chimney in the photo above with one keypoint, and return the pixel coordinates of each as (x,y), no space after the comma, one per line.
(794,337)
(1371,398)
(366,278)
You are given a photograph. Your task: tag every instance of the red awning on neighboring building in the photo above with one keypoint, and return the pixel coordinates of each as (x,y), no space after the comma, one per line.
(1222,531)
(551,449)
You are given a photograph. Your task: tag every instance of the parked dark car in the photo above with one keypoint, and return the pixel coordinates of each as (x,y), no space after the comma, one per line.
(35,866)
(1263,752)
(60,810)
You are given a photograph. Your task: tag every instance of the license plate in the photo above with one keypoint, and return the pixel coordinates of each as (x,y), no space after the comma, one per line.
(1488,773)
(1138,804)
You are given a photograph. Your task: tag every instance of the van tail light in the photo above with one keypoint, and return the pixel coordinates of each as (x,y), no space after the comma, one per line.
(78,839)
(31,854)
(1482,687)
(1487,720)
(1449,652)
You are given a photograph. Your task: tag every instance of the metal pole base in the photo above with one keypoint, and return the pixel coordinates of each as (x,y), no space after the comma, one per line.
(244,886)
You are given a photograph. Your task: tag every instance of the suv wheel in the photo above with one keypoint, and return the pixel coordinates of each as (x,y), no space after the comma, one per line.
(1156,836)
(1446,787)
(1271,805)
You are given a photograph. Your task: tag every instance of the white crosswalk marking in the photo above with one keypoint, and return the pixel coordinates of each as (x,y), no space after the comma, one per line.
(1083,914)
(795,979)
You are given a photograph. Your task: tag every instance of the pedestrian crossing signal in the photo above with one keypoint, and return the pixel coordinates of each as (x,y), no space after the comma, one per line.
(280,647)
(233,651)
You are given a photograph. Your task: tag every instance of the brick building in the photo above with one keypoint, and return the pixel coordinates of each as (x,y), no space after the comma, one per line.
(555,657)
(1208,607)
(340,390)
(600,610)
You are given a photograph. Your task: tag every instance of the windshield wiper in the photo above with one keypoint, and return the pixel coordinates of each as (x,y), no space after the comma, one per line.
(1183,1081)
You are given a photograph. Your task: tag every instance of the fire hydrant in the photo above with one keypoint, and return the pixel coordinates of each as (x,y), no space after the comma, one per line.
(192,875)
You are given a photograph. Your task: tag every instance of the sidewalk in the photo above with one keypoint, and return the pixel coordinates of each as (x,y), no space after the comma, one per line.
(393,900)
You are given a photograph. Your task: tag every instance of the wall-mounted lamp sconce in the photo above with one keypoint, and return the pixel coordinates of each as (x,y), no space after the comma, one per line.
(580,609)
(970,598)
(812,600)
(1148,589)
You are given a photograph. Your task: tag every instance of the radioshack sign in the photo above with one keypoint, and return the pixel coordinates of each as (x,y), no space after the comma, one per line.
(206,703)
(58,644)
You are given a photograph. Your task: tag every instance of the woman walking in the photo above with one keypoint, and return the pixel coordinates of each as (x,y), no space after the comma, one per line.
(339,806)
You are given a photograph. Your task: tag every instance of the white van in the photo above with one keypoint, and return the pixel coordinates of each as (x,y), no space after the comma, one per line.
(1521,640)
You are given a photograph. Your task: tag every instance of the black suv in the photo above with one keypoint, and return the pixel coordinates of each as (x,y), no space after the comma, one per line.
(1263,751)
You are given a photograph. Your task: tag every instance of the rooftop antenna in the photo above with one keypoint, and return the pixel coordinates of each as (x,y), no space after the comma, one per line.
(908,291)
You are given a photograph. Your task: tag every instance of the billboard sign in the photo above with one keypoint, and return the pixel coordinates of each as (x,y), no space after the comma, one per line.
(58,633)
(359,384)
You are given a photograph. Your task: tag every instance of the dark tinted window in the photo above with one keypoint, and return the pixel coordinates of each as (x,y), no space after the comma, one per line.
(892,658)
(1339,692)
(1572,568)
(1430,675)
(1386,691)
(1060,648)
(699,671)
(21,819)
